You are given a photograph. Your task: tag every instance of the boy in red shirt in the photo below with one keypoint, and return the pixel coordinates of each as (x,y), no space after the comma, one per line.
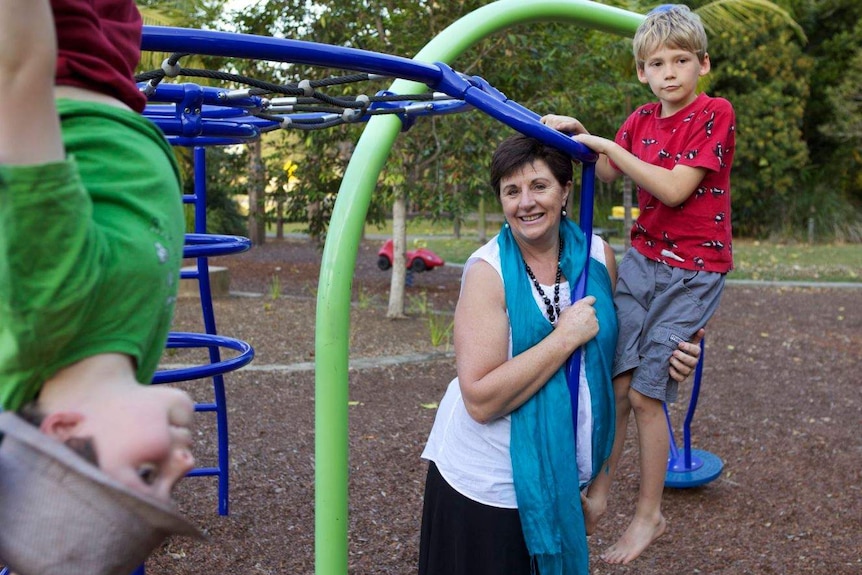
(679,152)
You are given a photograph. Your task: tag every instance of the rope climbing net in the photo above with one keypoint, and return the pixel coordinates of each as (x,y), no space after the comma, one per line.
(196,115)
(215,115)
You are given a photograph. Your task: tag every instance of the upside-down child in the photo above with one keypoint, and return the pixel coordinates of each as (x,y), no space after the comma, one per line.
(91,237)
(679,152)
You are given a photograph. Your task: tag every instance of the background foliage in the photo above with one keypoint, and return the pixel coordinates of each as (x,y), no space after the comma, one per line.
(792,69)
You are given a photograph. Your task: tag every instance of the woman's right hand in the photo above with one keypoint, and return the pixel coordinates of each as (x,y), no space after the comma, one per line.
(578,322)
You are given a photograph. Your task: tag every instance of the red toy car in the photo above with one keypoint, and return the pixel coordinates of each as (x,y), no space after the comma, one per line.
(418,260)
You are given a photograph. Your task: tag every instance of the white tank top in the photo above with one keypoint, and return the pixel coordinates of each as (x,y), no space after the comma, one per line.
(474,458)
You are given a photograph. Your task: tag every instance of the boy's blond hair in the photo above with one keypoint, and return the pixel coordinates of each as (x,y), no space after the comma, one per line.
(671,25)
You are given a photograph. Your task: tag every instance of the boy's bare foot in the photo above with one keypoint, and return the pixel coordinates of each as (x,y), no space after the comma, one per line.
(593,511)
(637,537)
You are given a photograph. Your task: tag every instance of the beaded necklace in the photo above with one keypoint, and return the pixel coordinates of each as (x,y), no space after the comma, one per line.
(552,310)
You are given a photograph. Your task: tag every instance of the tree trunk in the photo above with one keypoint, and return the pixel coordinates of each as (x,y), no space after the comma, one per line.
(399,244)
(457,219)
(483,227)
(627,196)
(256,195)
(279,218)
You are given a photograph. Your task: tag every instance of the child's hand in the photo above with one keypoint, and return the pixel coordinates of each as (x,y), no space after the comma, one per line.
(565,124)
(684,359)
(595,143)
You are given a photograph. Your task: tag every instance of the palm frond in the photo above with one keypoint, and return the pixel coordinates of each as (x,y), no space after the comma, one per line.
(746,14)
(162,17)
(158,16)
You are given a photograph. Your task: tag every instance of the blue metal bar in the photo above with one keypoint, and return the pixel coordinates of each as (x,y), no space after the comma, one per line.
(210,95)
(510,113)
(201,245)
(203,471)
(692,406)
(243,131)
(177,340)
(212,43)
(674,450)
(573,365)
(203,141)
(167,92)
(688,461)
(210,328)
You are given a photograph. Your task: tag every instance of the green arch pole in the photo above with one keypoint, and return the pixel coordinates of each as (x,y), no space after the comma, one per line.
(332,330)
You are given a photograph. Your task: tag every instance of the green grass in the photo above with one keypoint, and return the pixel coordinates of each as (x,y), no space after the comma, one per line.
(753,260)
(797,262)
(452,250)
(763,261)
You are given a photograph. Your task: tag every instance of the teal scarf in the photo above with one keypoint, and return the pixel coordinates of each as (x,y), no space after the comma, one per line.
(542,438)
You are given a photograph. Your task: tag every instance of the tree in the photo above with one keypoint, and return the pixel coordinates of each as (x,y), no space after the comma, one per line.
(835,29)
(223,182)
(762,72)
(846,100)
(265,18)
(532,64)
(222,173)
(547,68)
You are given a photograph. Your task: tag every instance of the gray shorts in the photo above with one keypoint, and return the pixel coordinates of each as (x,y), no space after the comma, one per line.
(658,306)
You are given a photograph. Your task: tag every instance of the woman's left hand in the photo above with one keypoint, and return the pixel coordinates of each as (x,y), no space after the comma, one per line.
(684,359)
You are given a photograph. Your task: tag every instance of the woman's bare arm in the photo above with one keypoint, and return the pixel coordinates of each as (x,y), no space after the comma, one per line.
(490,385)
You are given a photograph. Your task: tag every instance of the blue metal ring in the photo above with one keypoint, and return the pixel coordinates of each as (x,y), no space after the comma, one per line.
(206,245)
(187,339)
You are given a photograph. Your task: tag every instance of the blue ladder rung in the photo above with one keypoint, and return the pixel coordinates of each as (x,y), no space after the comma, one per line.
(207,245)
(187,339)
(202,471)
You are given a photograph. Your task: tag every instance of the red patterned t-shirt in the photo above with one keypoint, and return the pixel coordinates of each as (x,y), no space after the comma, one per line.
(696,234)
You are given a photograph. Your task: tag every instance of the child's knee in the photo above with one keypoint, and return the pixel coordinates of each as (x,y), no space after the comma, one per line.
(642,403)
(622,384)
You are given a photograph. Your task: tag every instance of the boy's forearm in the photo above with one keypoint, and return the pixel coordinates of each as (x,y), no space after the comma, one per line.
(670,187)
(604,171)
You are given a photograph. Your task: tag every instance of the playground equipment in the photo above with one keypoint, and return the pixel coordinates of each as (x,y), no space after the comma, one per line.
(688,467)
(202,116)
(201,246)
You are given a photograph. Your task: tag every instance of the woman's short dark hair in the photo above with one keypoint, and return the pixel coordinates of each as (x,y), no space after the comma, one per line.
(519,150)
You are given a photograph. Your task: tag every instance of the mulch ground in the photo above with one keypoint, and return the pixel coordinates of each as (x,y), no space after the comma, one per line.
(780,404)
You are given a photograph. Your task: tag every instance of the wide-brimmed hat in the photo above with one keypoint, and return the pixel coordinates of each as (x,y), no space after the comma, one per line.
(61,515)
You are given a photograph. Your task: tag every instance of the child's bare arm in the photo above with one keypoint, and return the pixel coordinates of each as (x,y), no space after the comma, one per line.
(573,126)
(671,187)
(29,127)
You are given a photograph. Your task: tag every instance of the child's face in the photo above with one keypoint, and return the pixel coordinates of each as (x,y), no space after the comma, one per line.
(672,76)
(143,438)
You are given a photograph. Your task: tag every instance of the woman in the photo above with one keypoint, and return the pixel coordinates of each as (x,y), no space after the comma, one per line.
(504,478)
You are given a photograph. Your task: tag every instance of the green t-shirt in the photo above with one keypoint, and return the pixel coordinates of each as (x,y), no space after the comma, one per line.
(90,250)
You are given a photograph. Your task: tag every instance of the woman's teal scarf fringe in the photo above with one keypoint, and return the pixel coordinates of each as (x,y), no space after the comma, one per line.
(542,439)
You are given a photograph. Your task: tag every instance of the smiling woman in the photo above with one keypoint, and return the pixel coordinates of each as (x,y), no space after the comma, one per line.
(512,420)
(515,329)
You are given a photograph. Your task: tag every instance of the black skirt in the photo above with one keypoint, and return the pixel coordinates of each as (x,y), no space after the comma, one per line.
(462,537)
